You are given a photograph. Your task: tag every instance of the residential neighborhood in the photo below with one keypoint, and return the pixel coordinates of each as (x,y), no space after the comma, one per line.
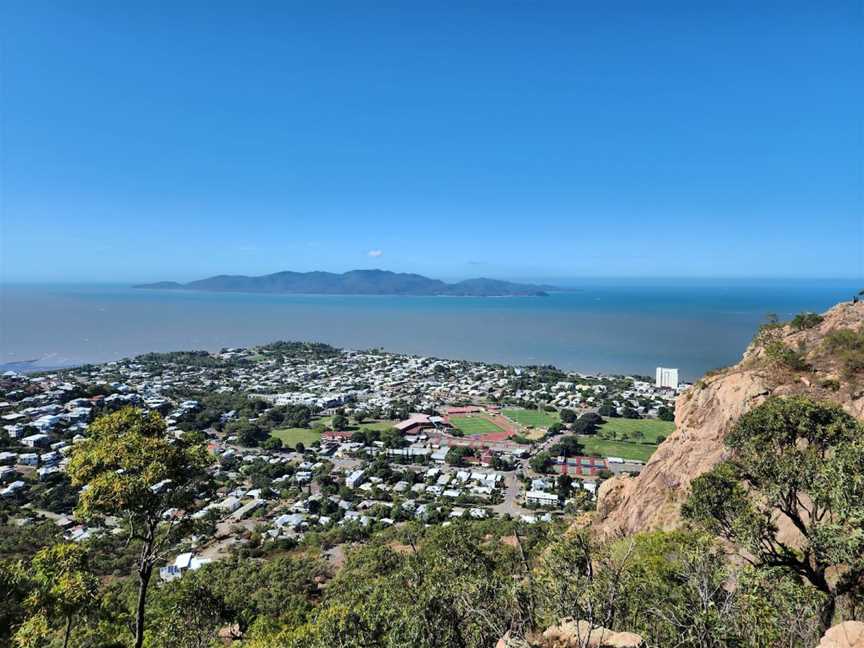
(308,439)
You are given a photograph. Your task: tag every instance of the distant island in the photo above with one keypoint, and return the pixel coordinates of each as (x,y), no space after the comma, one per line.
(355,282)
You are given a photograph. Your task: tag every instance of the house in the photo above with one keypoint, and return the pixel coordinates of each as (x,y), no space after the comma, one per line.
(183,562)
(541,498)
(37,441)
(355,479)
(440,454)
(229,504)
(290,521)
(13,489)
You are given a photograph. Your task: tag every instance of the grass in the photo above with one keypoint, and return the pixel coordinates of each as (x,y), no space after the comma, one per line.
(290,436)
(624,445)
(381,426)
(622,449)
(650,428)
(469,425)
(532,418)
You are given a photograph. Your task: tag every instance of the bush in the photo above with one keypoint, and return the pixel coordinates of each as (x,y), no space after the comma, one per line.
(848,346)
(805,320)
(781,354)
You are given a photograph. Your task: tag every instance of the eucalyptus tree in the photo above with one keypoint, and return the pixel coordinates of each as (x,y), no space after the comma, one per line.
(796,465)
(130,468)
(61,587)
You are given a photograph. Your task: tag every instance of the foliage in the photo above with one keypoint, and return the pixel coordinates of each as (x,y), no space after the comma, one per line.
(456,456)
(672,589)
(452,590)
(783,355)
(587,423)
(245,594)
(800,463)
(541,462)
(805,320)
(133,471)
(303,350)
(848,346)
(61,589)
(567,446)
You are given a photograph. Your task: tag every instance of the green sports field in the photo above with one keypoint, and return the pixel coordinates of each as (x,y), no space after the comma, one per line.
(469,425)
(532,418)
(290,436)
(624,450)
(622,429)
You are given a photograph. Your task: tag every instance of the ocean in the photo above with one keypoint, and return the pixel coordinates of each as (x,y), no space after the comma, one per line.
(606,326)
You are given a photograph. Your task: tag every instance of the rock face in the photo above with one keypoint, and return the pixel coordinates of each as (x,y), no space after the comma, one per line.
(849,634)
(706,412)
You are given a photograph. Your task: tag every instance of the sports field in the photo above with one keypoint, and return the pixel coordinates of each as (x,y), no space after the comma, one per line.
(623,429)
(469,425)
(622,449)
(290,436)
(532,418)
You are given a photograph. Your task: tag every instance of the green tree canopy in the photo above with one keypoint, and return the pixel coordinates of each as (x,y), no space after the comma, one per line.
(130,468)
(799,464)
(61,589)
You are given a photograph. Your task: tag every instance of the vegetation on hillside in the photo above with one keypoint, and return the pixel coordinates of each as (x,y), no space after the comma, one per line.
(795,465)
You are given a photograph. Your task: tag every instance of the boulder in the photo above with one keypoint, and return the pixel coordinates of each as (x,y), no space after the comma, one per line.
(581,634)
(849,634)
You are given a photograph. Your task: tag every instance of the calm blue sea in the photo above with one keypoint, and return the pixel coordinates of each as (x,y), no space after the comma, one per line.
(611,326)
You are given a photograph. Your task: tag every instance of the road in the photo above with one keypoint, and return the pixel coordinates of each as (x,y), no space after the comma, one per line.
(510,505)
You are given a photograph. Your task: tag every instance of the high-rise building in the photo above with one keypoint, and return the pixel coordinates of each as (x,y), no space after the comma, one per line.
(667,377)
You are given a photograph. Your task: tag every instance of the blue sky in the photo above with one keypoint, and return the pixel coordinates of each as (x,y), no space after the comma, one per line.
(149,141)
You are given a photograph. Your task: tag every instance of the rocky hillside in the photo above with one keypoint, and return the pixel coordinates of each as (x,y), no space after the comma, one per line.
(821,356)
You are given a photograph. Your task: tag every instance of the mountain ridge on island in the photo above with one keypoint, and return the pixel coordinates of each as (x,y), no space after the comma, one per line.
(355,282)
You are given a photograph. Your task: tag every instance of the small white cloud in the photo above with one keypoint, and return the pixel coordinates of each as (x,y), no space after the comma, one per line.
(375,253)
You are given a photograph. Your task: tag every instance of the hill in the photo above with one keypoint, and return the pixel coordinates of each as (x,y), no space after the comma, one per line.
(818,356)
(355,282)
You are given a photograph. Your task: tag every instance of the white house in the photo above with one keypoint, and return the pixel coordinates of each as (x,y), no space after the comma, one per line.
(355,479)
(541,498)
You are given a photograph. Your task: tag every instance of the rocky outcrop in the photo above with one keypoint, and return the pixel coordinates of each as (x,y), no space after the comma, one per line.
(581,634)
(849,634)
(570,633)
(706,412)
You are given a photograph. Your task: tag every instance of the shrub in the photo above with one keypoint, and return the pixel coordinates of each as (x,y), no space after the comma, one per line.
(848,346)
(805,320)
(782,354)
(830,383)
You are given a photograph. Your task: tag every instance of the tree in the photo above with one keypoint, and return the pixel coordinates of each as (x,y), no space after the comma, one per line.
(555,428)
(565,485)
(666,413)
(456,456)
(607,409)
(340,421)
(61,588)
(299,447)
(568,446)
(133,471)
(795,463)
(567,415)
(541,462)
(272,443)
(587,423)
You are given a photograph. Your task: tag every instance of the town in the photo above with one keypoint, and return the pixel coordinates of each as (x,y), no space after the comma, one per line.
(309,441)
